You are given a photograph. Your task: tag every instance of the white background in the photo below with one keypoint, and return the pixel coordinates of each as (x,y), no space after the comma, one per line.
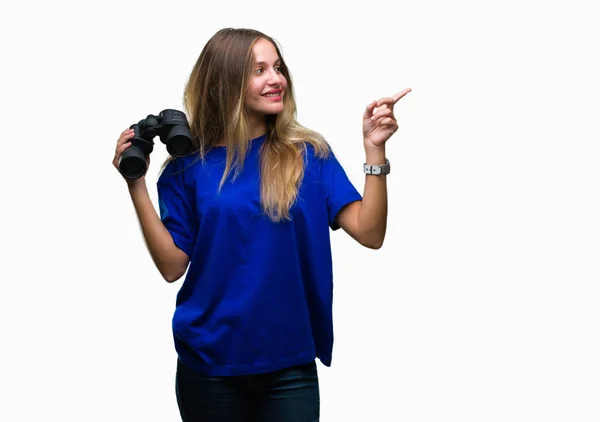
(481,306)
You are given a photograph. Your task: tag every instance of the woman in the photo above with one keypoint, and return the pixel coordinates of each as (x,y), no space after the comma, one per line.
(248,219)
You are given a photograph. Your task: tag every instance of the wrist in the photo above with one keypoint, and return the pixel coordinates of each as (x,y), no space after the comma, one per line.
(136,184)
(375,155)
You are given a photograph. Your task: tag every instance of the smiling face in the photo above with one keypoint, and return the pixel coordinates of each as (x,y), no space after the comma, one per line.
(267,84)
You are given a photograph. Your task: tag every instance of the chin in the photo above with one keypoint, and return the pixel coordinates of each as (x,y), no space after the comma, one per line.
(273,111)
(278,109)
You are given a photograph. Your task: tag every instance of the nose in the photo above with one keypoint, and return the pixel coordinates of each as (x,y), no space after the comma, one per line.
(275,77)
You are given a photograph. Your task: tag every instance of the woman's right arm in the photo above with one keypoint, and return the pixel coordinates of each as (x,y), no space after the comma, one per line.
(170,261)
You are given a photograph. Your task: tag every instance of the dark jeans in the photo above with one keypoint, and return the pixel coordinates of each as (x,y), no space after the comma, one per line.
(287,395)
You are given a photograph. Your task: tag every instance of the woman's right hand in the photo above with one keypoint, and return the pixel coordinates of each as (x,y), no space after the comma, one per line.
(122,144)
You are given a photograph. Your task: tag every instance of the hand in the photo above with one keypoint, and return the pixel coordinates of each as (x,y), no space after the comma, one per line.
(380,125)
(122,144)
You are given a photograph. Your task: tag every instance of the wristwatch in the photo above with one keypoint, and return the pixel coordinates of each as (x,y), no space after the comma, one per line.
(377,168)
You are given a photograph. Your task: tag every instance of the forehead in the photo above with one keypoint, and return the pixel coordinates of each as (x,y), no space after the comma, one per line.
(264,51)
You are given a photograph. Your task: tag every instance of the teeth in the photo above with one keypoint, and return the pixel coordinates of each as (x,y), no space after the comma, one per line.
(272,95)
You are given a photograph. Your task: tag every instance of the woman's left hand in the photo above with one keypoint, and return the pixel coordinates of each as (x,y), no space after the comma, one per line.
(378,126)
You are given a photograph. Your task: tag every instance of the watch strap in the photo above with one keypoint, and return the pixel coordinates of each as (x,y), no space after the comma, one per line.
(377,168)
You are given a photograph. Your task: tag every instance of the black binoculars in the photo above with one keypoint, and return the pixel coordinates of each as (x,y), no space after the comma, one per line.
(174,131)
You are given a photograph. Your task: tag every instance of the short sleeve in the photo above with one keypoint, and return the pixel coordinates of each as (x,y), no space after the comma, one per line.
(339,190)
(176,207)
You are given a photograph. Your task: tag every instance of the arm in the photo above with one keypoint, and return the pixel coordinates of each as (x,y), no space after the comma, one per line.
(170,261)
(366,220)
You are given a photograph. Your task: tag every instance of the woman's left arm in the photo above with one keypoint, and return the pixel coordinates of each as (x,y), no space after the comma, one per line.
(366,220)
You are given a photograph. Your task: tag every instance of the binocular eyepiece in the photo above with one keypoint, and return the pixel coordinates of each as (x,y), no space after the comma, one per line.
(174,131)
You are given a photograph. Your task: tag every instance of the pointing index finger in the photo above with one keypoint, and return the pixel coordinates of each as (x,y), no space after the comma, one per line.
(400,94)
(389,102)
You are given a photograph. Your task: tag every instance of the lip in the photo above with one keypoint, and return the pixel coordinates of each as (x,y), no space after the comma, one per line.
(275,98)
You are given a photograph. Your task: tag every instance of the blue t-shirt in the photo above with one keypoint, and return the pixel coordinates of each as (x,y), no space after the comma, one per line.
(257,296)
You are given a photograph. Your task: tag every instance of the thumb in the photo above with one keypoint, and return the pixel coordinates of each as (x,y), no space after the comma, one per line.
(369,110)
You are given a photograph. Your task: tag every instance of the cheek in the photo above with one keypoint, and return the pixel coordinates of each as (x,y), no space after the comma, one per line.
(255,88)
(252,95)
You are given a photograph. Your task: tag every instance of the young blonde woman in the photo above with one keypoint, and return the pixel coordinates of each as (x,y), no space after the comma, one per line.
(248,217)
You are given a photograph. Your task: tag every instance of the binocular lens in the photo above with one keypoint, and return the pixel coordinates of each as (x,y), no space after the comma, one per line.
(179,143)
(179,146)
(132,164)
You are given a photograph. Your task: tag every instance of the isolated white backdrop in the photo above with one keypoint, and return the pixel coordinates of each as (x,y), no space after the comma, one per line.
(481,306)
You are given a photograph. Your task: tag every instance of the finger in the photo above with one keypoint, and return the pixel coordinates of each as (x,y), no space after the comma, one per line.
(129,133)
(388,121)
(382,112)
(123,147)
(125,132)
(384,121)
(124,138)
(369,110)
(119,152)
(389,101)
(120,148)
(400,94)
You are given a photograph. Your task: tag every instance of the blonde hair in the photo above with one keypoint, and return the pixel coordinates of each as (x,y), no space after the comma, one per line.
(214,99)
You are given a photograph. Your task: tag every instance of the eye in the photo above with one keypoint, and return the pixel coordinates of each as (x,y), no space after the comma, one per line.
(259,71)
(278,69)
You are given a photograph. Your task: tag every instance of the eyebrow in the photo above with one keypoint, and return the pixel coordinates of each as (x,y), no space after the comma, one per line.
(263,63)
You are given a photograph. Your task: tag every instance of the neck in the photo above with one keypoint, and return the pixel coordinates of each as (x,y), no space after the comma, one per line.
(257,126)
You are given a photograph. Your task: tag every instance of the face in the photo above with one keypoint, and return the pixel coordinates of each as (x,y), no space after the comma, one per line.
(267,84)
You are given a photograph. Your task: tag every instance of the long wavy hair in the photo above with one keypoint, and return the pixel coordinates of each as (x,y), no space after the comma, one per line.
(214,99)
